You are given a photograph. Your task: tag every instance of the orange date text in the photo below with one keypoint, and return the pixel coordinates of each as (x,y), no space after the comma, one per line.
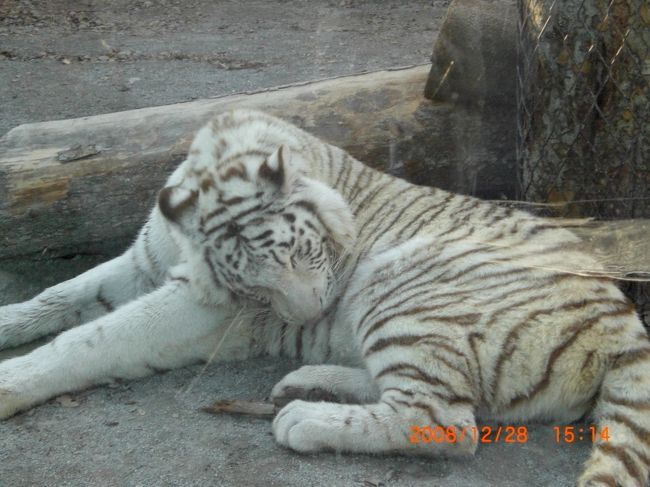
(476,434)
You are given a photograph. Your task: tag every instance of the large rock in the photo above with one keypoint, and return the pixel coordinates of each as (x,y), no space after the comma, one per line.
(474,69)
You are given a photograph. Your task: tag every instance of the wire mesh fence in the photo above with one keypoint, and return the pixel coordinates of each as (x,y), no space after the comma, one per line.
(584,111)
(584,105)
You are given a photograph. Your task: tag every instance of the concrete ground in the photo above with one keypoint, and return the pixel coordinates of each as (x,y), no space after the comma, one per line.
(62,59)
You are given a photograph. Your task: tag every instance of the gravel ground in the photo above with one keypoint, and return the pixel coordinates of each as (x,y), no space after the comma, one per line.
(62,59)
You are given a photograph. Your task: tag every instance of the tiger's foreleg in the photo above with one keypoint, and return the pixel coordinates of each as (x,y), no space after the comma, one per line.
(162,330)
(412,423)
(418,404)
(94,293)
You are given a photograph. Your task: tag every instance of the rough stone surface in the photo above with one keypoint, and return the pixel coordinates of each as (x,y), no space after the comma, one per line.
(474,57)
(474,67)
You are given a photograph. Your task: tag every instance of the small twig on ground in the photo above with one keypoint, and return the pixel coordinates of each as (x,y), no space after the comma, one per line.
(236,406)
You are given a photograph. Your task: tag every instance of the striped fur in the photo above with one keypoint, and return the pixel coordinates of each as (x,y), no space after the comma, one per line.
(431,308)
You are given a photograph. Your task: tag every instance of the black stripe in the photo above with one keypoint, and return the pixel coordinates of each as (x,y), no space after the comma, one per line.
(330,162)
(373,194)
(511,259)
(212,214)
(344,181)
(510,343)
(574,332)
(106,304)
(626,460)
(247,153)
(180,279)
(138,269)
(357,186)
(299,342)
(283,332)
(258,207)
(263,235)
(396,218)
(410,371)
(425,271)
(441,206)
(235,200)
(213,271)
(341,170)
(276,258)
(479,372)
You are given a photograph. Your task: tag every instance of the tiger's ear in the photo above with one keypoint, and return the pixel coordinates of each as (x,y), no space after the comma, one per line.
(332,210)
(277,169)
(177,204)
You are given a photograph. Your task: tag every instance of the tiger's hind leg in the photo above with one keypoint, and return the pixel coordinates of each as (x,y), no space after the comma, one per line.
(94,293)
(333,383)
(621,453)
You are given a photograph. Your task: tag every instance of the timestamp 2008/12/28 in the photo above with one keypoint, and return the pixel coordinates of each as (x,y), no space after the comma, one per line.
(476,434)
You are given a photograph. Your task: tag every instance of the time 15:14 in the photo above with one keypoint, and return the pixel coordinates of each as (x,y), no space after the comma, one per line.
(571,434)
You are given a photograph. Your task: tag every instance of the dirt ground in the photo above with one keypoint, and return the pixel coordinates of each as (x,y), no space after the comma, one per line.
(62,59)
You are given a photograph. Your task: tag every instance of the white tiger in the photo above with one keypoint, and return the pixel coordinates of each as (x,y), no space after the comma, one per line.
(431,308)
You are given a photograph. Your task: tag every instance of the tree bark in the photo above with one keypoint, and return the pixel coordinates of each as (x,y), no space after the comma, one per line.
(584,107)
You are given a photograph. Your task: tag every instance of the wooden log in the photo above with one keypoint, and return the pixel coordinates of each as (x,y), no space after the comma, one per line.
(87,184)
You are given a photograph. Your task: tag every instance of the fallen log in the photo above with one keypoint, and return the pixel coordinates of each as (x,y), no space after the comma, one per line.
(87,184)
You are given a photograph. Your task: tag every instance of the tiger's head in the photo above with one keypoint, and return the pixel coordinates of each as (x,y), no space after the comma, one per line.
(261,227)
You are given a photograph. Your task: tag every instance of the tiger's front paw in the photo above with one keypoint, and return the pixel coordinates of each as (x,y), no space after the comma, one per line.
(19,386)
(11,403)
(309,427)
(297,426)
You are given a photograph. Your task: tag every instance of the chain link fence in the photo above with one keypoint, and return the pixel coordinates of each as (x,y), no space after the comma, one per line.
(584,111)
